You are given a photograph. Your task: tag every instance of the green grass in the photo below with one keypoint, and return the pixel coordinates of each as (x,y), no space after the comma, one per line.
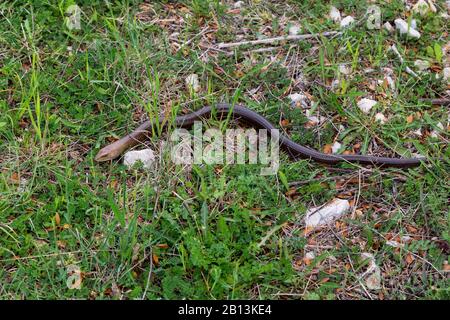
(215,232)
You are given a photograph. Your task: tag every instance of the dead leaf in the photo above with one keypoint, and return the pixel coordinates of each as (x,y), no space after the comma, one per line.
(61,244)
(327,149)
(410,118)
(15,178)
(292,191)
(446,266)
(238,73)
(324,280)
(234,11)
(155,259)
(409,258)
(284,122)
(57,219)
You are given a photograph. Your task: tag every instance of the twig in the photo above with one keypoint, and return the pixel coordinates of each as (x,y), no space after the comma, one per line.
(437,101)
(271,40)
(149,273)
(407,69)
(268,49)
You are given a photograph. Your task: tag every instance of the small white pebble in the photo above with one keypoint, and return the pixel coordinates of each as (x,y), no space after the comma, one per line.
(403,27)
(336,147)
(293,30)
(312,119)
(344,69)
(366,104)
(238,4)
(446,74)
(380,118)
(347,21)
(418,132)
(434,134)
(297,97)
(389,27)
(421,65)
(323,215)
(192,82)
(146,156)
(310,255)
(335,15)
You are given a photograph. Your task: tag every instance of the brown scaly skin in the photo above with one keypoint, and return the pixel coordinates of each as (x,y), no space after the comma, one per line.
(295,150)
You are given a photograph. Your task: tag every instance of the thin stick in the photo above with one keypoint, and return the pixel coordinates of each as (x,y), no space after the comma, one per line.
(271,40)
(149,274)
(437,101)
(407,69)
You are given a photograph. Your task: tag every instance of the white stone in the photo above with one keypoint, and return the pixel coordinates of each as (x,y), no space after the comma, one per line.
(421,7)
(192,82)
(146,156)
(330,212)
(402,26)
(366,104)
(413,23)
(347,21)
(335,15)
(380,118)
(312,119)
(336,147)
(344,69)
(418,132)
(421,65)
(296,97)
(293,30)
(446,74)
(238,4)
(389,27)
(310,255)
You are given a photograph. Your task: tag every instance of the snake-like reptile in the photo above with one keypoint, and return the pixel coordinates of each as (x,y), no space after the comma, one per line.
(240,112)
